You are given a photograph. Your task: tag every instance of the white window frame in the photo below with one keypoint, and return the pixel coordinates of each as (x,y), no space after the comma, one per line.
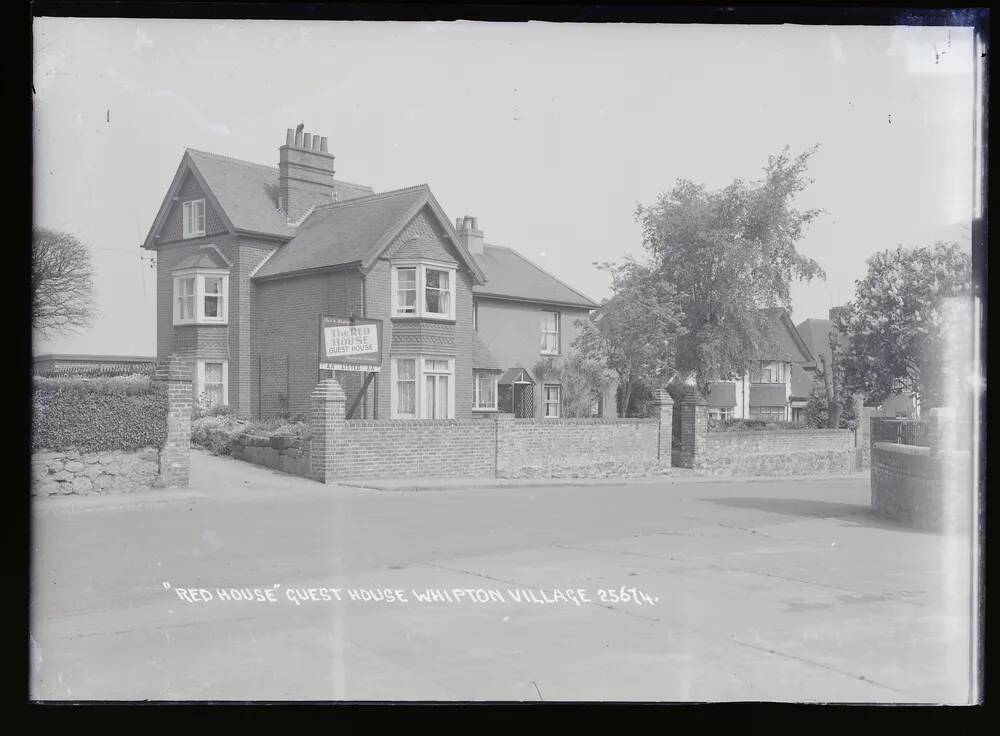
(546,402)
(420,374)
(199,381)
(476,404)
(190,215)
(420,312)
(199,317)
(557,332)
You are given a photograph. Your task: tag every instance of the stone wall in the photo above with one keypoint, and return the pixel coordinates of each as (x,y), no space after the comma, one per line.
(779,452)
(286,453)
(64,472)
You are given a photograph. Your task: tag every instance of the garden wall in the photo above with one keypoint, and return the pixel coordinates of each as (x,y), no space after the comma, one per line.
(911,485)
(103,435)
(779,452)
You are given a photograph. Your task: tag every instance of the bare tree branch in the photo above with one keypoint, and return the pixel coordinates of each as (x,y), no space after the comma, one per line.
(61,282)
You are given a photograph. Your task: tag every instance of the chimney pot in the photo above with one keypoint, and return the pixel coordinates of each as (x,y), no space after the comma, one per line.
(474,223)
(322,144)
(290,137)
(315,142)
(458,224)
(298,139)
(307,141)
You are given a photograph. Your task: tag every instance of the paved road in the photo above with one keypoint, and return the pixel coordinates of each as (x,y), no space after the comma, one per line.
(783,591)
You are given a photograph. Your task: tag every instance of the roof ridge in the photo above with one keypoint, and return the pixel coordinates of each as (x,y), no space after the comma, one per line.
(367,198)
(550,275)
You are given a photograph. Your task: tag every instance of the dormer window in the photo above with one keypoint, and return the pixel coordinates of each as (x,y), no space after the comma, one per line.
(200,297)
(194,218)
(423,289)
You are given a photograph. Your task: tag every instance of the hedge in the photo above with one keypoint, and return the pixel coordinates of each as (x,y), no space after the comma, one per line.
(742,425)
(121,413)
(218,433)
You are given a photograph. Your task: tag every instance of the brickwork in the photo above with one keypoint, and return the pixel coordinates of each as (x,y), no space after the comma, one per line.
(175,455)
(173,226)
(550,446)
(911,486)
(691,428)
(327,425)
(249,252)
(663,406)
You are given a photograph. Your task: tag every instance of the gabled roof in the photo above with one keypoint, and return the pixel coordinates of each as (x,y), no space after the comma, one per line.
(509,275)
(516,374)
(208,256)
(357,232)
(816,335)
(245,193)
(787,342)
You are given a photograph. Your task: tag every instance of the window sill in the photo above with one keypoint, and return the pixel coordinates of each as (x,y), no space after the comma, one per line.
(551,355)
(190,236)
(201,323)
(421,318)
(494,410)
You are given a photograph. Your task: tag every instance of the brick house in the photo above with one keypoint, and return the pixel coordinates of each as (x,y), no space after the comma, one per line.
(776,386)
(249,256)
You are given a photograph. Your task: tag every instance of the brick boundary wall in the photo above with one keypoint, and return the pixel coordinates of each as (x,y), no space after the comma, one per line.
(927,491)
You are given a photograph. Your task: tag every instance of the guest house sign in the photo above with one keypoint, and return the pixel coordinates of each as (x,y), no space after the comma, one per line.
(350,344)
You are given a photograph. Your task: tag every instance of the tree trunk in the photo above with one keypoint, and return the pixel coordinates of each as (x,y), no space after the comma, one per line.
(832,402)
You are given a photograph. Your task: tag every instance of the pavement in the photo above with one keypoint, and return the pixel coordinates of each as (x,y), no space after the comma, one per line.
(666,589)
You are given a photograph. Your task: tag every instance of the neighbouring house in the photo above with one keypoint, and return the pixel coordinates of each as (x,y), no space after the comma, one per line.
(250,256)
(53,364)
(816,334)
(774,386)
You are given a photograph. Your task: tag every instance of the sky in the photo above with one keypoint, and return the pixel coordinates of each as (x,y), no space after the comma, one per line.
(550,134)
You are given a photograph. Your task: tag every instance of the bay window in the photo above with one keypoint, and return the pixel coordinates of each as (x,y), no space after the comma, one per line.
(200,297)
(423,387)
(423,289)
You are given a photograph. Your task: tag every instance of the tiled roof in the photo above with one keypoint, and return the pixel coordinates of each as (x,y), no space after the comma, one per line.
(721,394)
(482,358)
(341,233)
(511,275)
(787,343)
(516,373)
(803,381)
(248,192)
(816,335)
(767,394)
(207,256)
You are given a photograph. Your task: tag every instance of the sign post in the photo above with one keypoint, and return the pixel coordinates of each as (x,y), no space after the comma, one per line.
(351,344)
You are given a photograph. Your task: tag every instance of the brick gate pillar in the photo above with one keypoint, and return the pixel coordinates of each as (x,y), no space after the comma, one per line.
(327,423)
(663,408)
(175,455)
(693,427)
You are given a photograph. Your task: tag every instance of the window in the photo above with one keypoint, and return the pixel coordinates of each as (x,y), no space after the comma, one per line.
(596,405)
(423,388)
(194,218)
(200,297)
(406,387)
(550,333)
(722,412)
(484,391)
(212,383)
(436,284)
(550,399)
(437,377)
(406,290)
(768,413)
(185,299)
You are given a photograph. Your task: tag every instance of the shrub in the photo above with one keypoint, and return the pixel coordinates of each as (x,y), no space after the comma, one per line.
(217,434)
(743,425)
(91,414)
(220,410)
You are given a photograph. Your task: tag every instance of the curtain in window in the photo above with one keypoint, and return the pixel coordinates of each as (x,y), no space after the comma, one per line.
(406,386)
(214,388)
(438,292)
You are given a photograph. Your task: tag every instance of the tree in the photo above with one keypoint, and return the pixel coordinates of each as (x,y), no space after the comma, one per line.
(61,282)
(817,411)
(892,335)
(634,331)
(581,378)
(725,255)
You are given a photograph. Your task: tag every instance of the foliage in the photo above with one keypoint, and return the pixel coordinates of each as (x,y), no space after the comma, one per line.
(201,409)
(217,433)
(724,255)
(580,377)
(61,282)
(742,425)
(115,413)
(893,334)
(634,332)
(817,411)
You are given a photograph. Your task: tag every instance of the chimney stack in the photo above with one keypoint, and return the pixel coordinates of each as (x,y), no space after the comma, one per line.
(469,234)
(305,173)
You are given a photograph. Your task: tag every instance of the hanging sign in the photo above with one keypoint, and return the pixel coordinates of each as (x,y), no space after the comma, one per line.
(350,344)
